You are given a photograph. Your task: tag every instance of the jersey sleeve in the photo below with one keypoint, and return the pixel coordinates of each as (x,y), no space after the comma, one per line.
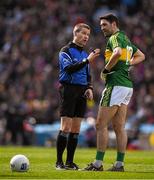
(68,65)
(65,59)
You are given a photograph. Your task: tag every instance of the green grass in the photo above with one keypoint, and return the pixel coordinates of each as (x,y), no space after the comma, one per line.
(138,164)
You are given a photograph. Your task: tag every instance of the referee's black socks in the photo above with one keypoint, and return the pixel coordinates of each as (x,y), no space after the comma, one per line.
(71,146)
(61,145)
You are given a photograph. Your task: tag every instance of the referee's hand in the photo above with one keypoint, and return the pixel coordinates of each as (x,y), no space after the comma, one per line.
(89,94)
(95,53)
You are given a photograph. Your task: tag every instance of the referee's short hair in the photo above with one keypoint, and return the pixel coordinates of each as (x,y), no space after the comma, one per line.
(111,18)
(78,27)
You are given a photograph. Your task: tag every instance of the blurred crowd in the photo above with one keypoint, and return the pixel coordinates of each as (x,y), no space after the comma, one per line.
(31,34)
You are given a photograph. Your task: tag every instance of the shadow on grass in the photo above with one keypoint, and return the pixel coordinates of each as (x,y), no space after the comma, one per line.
(20,177)
(139,172)
(126,171)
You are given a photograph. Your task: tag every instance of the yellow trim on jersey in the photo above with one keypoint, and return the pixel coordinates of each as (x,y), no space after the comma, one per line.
(125,56)
(114,40)
(108,54)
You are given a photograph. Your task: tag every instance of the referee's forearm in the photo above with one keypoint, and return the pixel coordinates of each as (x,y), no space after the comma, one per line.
(75,67)
(89,82)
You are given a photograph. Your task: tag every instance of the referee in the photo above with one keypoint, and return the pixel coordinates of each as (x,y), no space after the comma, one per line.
(75,87)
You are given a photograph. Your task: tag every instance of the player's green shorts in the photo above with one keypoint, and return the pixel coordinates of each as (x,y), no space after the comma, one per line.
(116,95)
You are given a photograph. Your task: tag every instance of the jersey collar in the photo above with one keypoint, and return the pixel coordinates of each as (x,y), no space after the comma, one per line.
(73,45)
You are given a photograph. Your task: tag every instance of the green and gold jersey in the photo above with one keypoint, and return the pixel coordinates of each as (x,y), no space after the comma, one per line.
(119,73)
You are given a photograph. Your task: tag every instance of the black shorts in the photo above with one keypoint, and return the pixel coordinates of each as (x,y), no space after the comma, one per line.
(72,100)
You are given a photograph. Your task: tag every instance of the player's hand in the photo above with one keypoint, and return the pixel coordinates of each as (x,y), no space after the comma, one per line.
(95,53)
(89,94)
(103,76)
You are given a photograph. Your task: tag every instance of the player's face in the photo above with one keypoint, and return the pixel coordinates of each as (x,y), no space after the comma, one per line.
(82,37)
(106,27)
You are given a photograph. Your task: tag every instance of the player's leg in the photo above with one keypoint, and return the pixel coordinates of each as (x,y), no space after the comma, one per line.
(105,114)
(118,123)
(122,96)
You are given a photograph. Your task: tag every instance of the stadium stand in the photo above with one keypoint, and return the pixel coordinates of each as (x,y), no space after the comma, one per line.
(31,34)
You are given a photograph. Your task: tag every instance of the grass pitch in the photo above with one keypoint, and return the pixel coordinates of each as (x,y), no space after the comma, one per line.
(138,164)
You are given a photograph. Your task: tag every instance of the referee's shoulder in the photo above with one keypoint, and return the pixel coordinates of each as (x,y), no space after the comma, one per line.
(65,48)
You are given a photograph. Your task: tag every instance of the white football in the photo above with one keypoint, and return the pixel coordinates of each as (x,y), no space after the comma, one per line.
(19,163)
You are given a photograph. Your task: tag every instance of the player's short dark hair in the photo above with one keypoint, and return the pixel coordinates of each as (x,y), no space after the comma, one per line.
(78,27)
(111,18)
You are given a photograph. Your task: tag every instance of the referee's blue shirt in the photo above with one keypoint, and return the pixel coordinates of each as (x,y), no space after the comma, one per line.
(69,55)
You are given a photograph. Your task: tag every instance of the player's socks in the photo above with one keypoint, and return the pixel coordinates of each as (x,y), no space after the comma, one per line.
(119,160)
(120,156)
(99,159)
(71,146)
(61,145)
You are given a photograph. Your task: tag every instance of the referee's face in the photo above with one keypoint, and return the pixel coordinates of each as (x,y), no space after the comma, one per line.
(106,27)
(81,37)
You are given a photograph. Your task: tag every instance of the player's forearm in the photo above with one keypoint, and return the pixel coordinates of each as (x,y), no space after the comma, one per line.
(114,58)
(112,62)
(137,59)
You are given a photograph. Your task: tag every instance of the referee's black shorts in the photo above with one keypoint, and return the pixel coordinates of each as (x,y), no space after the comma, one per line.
(72,100)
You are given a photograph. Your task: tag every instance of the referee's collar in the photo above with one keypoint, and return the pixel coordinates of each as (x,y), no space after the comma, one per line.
(75,46)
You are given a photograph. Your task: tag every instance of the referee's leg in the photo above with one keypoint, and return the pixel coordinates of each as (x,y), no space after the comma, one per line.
(73,139)
(62,139)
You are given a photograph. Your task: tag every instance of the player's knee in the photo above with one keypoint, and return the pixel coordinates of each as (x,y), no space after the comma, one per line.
(118,128)
(98,126)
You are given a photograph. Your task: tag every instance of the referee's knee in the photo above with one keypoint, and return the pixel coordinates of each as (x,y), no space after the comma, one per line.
(75,129)
(66,129)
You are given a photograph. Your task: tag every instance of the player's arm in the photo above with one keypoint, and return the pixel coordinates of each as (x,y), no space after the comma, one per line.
(113,59)
(137,57)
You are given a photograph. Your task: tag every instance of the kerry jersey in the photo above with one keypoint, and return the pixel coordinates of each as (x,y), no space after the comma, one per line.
(119,75)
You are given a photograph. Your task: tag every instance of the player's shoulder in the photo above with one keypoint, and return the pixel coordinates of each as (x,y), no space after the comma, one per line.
(119,36)
(116,35)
